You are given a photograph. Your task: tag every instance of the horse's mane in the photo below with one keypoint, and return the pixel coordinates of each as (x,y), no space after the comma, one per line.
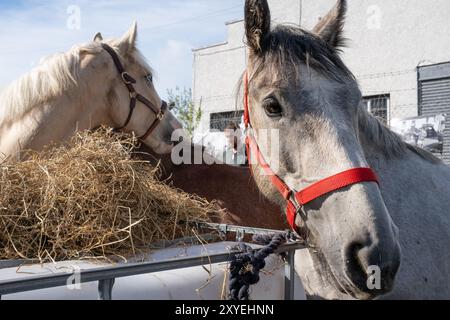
(54,75)
(387,141)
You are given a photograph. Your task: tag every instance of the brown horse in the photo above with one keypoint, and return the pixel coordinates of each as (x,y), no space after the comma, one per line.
(233,187)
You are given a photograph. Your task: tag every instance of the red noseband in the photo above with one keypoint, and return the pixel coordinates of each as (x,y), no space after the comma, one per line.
(297,200)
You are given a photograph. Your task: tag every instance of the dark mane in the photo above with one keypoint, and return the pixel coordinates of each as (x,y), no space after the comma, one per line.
(289,45)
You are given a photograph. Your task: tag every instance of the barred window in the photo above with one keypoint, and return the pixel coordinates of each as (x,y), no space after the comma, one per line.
(378,106)
(219,121)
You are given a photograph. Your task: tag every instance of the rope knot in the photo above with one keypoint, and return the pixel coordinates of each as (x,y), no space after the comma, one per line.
(245,267)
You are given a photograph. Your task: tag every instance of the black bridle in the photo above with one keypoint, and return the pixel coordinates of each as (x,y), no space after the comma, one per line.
(129,82)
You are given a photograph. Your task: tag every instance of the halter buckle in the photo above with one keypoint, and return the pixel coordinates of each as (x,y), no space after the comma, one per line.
(160,116)
(126,78)
(133,94)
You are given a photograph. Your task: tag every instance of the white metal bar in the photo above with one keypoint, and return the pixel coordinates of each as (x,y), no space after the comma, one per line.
(289,278)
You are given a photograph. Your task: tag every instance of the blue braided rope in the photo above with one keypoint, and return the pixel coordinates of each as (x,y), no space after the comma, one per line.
(246,266)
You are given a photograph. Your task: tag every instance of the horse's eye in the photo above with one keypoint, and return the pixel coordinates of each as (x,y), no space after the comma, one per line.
(272,108)
(149,78)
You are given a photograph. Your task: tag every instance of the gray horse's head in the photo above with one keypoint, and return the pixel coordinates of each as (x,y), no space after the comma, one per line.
(299,86)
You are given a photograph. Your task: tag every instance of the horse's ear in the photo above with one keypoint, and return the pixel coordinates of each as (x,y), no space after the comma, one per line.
(331,27)
(257,24)
(98,37)
(127,43)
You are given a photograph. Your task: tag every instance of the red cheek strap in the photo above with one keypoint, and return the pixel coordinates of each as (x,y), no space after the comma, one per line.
(335,183)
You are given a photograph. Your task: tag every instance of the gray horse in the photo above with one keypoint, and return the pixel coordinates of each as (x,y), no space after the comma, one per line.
(299,86)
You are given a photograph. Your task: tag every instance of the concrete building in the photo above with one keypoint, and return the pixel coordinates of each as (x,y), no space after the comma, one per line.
(398,50)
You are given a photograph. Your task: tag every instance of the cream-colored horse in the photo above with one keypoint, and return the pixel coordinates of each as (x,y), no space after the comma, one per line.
(80,90)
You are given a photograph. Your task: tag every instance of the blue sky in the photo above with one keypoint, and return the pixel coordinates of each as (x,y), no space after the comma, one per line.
(168,31)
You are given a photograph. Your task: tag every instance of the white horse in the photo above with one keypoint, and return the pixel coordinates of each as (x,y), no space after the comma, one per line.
(299,86)
(101,83)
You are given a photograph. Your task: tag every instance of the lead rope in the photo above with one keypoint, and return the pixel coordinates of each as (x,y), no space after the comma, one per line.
(245,267)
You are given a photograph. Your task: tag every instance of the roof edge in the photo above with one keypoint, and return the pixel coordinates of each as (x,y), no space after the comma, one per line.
(210,46)
(234,21)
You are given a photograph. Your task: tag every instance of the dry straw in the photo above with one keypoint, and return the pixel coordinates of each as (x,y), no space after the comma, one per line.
(90,198)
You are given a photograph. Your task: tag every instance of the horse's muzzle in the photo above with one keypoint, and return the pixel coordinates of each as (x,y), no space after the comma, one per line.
(371,269)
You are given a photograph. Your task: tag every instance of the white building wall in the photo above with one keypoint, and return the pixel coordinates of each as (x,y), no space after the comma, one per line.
(388,40)
(217,68)
(285,11)
(216,75)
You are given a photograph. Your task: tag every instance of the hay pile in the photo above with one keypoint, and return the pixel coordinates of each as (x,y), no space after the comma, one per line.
(90,198)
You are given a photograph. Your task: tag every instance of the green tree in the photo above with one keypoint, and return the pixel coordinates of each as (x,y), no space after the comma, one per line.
(184,108)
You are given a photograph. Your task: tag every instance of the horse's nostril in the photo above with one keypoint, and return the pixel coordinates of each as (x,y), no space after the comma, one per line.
(362,260)
(354,264)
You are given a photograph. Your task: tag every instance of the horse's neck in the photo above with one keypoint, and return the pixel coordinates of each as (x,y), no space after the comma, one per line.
(54,121)
(415,187)
(385,151)
(408,176)
(416,192)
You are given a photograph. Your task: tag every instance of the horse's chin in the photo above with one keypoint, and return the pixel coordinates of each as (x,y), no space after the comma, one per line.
(351,290)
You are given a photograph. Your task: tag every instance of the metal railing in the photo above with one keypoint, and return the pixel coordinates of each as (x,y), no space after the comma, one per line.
(106,276)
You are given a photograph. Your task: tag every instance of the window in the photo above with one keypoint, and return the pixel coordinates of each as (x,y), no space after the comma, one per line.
(378,106)
(219,121)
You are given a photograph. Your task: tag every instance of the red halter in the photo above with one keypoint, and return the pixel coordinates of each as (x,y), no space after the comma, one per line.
(296,200)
